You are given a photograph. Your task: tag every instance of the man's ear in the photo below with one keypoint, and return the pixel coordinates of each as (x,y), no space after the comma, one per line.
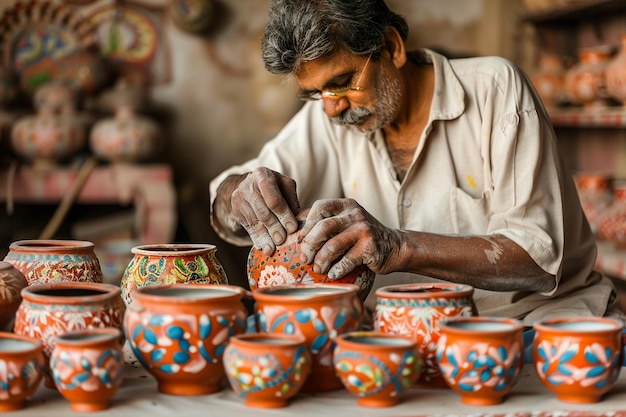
(394,46)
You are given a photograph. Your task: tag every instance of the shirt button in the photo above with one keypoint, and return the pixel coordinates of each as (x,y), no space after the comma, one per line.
(406,202)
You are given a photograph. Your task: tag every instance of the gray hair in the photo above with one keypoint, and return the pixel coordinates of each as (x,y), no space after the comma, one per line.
(299,31)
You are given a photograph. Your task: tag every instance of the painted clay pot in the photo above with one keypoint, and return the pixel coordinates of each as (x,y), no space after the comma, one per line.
(284,267)
(49,261)
(578,358)
(616,74)
(179,332)
(594,192)
(12,281)
(481,357)
(87,367)
(377,367)
(319,312)
(266,369)
(585,82)
(21,369)
(176,263)
(612,223)
(84,71)
(193,16)
(415,310)
(48,310)
(548,79)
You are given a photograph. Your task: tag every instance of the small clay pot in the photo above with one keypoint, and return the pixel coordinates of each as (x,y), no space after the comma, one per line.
(23,366)
(319,312)
(267,369)
(377,367)
(87,367)
(481,357)
(178,333)
(12,281)
(578,358)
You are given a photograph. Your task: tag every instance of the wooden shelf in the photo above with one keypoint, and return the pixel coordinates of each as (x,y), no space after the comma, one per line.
(578,11)
(614,117)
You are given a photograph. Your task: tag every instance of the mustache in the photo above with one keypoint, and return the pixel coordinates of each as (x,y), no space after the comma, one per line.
(352,116)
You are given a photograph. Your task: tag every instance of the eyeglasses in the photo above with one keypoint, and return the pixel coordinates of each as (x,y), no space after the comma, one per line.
(334,93)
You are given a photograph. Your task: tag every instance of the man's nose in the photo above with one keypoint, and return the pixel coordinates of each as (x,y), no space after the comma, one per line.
(335,106)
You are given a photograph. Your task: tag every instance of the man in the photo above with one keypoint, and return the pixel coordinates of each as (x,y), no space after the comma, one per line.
(419,167)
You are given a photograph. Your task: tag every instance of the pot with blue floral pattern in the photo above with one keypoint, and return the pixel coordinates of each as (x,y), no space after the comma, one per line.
(179,332)
(175,263)
(319,312)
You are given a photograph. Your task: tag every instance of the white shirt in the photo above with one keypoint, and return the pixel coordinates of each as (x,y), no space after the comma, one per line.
(487,163)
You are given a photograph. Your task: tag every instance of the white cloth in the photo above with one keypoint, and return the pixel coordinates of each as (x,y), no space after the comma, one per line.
(487,163)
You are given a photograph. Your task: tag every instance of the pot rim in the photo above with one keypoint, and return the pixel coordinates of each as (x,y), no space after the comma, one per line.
(168,249)
(512,325)
(269,294)
(286,340)
(45,245)
(77,337)
(548,325)
(424,290)
(32,292)
(350,340)
(37,344)
(149,293)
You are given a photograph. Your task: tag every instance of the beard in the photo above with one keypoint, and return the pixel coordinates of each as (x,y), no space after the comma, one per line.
(388,94)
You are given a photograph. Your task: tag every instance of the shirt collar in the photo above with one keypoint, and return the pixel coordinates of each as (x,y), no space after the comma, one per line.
(448,96)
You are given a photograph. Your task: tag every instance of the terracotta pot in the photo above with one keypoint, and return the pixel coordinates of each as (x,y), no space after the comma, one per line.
(616,74)
(175,263)
(319,312)
(87,367)
(85,71)
(548,79)
(481,357)
(611,224)
(22,363)
(377,367)
(594,192)
(49,261)
(578,358)
(267,370)
(179,332)
(284,267)
(11,283)
(48,310)
(585,81)
(415,310)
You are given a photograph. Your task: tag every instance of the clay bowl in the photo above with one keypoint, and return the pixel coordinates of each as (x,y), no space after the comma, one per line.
(284,267)
(481,357)
(267,369)
(319,312)
(178,333)
(377,367)
(22,370)
(579,359)
(415,310)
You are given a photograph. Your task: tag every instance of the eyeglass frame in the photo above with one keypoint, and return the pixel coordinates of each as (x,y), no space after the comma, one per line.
(336,93)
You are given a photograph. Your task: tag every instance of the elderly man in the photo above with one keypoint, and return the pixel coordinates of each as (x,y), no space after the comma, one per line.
(420,167)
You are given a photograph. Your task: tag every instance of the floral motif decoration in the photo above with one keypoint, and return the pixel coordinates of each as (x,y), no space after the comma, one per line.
(475,366)
(73,372)
(181,343)
(44,268)
(15,380)
(250,373)
(367,375)
(560,364)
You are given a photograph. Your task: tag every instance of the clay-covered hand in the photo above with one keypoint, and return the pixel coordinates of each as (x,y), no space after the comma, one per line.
(265,204)
(340,235)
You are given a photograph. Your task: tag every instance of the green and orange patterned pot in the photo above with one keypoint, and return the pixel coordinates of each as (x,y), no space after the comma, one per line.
(177,263)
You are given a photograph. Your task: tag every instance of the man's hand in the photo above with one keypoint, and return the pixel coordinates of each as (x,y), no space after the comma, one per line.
(265,204)
(340,235)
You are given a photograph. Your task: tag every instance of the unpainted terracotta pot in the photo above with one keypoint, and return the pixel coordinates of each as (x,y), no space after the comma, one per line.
(267,369)
(179,332)
(319,312)
(585,82)
(177,263)
(88,367)
(378,368)
(415,310)
(481,357)
(21,369)
(49,261)
(48,310)
(578,358)
(12,281)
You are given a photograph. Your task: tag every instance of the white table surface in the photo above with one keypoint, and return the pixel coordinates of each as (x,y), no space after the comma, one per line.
(138,396)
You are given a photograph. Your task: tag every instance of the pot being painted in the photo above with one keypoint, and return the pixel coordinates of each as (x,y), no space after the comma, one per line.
(319,312)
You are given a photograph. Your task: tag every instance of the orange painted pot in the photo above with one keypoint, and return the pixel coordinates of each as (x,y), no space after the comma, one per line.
(377,367)
(415,310)
(177,263)
(178,333)
(578,358)
(87,367)
(12,281)
(319,312)
(43,261)
(284,267)
(267,369)
(21,369)
(481,357)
